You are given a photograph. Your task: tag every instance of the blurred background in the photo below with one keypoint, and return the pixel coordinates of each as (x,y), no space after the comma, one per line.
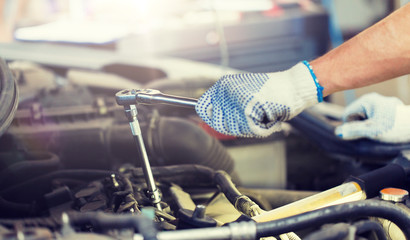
(71,56)
(255,36)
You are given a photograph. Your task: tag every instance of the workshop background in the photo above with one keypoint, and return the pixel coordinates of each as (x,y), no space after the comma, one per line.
(232,35)
(206,31)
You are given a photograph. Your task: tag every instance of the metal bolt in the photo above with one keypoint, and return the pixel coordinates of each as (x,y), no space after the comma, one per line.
(199,211)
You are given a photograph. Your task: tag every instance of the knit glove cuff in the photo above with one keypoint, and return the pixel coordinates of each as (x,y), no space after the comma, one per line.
(306,88)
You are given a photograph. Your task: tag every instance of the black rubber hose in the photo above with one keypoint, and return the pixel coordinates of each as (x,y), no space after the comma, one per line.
(391,175)
(336,232)
(35,164)
(8,97)
(368,225)
(105,221)
(340,231)
(337,213)
(35,188)
(11,209)
(179,141)
(171,141)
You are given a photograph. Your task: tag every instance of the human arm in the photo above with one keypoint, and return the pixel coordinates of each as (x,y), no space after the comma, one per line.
(379,53)
(235,105)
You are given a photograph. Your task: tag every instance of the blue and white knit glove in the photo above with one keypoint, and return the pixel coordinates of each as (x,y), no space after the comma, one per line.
(387,119)
(255,104)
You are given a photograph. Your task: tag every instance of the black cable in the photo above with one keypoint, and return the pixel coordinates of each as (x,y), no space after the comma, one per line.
(337,213)
(225,184)
(241,202)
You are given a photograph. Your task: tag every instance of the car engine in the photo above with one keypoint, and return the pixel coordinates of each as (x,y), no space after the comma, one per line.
(78,161)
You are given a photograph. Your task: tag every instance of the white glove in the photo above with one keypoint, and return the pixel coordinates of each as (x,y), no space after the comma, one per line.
(254,104)
(387,119)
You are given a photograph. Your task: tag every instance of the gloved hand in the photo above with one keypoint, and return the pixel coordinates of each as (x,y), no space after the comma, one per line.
(387,119)
(254,104)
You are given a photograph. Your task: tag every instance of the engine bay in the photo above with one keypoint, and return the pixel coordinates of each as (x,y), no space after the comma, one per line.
(70,168)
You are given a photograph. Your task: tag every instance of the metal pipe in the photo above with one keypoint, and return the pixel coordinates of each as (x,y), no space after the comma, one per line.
(131,113)
(234,231)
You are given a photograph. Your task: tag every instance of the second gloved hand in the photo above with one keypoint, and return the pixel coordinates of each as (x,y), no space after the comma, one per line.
(386,119)
(255,104)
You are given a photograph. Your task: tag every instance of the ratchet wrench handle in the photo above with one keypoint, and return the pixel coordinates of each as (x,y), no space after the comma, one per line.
(151,96)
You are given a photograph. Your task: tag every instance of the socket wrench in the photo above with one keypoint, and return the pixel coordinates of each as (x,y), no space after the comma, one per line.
(128,99)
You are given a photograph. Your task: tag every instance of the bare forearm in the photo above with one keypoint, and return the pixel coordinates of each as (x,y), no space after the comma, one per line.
(377,54)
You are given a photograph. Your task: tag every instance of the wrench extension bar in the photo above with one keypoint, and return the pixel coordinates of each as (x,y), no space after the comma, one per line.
(151,96)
